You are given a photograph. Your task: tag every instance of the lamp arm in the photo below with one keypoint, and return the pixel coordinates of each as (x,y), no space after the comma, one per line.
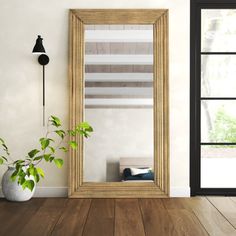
(43,95)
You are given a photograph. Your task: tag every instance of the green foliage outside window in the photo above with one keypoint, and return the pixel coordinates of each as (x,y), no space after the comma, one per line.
(224,128)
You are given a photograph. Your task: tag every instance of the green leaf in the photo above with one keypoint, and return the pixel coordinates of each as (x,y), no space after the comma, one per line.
(46,157)
(2,141)
(19,165)
(4,145)
(18,162)
(21,180)
(64,149)
(14,175)
(21,172)
(4,158)
(73,144)
(24,185)
(55,121)
(61,133)
(58,162)
(33,152)
(27,172)
(40,172)
(28,184)
(21,177)
(36,178)
(45,142)
(32,170)
(52,149)
(38,158)
(85,125)
(83,133)
(71,132)
(5,148)
(84,129)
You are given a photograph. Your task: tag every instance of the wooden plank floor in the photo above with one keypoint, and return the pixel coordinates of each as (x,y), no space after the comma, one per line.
(119,217)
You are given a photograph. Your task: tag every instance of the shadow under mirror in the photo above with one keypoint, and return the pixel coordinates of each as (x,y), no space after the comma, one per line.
(119,103)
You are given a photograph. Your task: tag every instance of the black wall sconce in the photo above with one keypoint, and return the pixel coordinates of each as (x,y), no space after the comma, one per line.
(43,60)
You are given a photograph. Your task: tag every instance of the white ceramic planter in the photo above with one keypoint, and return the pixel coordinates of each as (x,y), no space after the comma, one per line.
(12,191)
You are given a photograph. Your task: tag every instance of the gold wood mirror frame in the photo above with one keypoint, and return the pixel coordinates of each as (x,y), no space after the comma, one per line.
(159,19)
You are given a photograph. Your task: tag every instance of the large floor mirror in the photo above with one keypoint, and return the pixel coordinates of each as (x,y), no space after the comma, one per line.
(119,84)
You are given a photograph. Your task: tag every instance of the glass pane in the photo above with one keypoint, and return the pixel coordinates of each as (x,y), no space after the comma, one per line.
(218,166)
(218,76)
(118,101)
(218,30)
(218,121)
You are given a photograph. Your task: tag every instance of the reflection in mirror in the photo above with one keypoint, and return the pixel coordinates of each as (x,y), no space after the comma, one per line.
(119,103)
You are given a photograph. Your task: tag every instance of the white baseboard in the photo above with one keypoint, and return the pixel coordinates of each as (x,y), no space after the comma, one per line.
(51,192)
(47,192)
(179,191)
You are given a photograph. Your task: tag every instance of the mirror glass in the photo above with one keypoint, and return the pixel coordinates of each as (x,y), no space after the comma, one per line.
(119,103)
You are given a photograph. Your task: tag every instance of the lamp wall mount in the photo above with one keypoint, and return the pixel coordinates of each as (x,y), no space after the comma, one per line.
(43,60)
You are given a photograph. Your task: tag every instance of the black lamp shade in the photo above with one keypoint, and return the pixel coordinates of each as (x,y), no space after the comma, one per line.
(38,48)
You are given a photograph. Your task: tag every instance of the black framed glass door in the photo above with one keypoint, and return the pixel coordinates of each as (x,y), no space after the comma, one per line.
(213,98)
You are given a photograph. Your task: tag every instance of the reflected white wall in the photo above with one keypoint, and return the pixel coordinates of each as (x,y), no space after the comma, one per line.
(117,133)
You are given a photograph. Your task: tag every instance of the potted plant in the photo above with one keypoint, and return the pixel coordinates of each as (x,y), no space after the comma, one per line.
(19,181)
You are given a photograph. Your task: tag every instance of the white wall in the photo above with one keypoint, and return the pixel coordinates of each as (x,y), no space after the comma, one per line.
(21,76)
